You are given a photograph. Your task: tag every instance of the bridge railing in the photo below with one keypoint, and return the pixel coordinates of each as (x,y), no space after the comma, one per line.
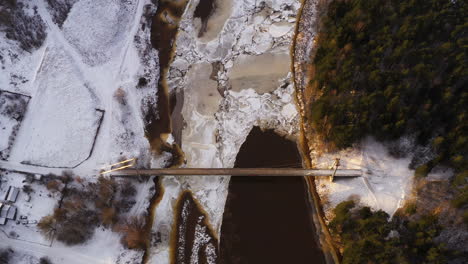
(239,172)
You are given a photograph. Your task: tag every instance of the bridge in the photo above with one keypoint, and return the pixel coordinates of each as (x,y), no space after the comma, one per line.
(238,172)
(126,168)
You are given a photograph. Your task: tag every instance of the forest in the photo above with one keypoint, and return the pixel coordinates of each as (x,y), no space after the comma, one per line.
(389,69)
(369,237)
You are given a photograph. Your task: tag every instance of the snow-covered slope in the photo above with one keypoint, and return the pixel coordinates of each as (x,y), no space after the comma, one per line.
(85,107)
(85,72)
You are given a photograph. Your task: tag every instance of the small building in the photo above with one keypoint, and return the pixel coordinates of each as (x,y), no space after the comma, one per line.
(13,194)
(2,220)
(11,213)
(1,208)
(37,177)
(4,211)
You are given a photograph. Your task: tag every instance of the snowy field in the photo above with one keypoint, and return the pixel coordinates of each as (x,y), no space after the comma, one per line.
(84,112)
(385,183)
(72,80)
(61,99)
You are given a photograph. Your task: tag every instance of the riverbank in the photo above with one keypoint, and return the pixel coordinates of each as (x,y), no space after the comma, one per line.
(220,106)
(307,27)
(267,219)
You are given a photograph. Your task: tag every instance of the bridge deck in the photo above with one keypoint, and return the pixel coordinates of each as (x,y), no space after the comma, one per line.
(238,172)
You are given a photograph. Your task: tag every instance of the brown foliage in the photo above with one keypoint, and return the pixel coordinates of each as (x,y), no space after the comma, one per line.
(77,228)
(80,180)
(120,96)
(74,204)
(60,214)
(108,216)
(53,185)
(127,189)
(47,226)
(134,233)
(66,177)
(105,190)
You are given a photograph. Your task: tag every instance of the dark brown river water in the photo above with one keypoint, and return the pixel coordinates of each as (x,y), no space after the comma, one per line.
(267,219)
(203,11)
(160,117)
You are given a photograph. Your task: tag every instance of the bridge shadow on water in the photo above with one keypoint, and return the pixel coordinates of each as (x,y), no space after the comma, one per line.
(267,219)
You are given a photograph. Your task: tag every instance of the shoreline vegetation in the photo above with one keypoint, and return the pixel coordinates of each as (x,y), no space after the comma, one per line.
(329,250)
(391,69)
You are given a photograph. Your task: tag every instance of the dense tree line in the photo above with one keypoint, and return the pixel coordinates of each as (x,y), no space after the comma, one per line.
(390,68)
(369,237)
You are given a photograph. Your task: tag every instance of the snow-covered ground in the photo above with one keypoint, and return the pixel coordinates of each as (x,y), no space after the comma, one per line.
(39,203)
(86,71)
(103,248)
(385,183)
(73,80)
(60,99)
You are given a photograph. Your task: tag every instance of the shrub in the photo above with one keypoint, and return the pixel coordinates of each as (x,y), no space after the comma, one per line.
(127,189)
(108,216)
(461,178)
(465,217)
(342,215)
(70,227)
(134,233)
(77,228)
(83,209)
(120,96)
(421,171)
(27,189)
(461,199)
(104,189)
(45,260)
(142,82)
(365,235)
(67,177)
(53,185)
(5,255)
(27,29)
(410,208)
(47,226)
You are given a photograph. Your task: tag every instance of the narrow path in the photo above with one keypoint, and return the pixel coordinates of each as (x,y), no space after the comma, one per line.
(19,167)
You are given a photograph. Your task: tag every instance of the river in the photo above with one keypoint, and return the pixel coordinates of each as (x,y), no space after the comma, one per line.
(266,219)
(222,72)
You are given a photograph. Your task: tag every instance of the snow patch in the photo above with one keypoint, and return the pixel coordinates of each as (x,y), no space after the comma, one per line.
(102,25)
(385,183)
(62,98)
